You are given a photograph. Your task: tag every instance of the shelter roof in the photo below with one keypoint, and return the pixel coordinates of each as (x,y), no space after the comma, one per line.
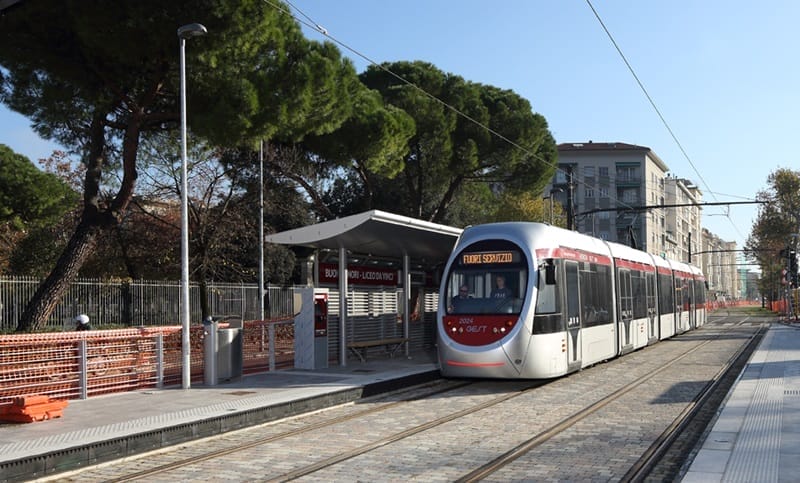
(376,233)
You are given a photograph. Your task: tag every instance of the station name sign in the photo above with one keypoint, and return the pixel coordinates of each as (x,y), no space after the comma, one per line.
(358,275)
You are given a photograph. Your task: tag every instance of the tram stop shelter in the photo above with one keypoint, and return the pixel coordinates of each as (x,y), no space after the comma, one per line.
(392,248)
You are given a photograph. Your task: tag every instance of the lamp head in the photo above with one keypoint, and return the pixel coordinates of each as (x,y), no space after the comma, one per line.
(192,30)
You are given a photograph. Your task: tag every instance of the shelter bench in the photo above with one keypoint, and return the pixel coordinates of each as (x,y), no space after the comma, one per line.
(359,348)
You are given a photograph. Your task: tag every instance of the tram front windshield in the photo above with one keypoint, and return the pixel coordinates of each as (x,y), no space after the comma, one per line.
(488,277)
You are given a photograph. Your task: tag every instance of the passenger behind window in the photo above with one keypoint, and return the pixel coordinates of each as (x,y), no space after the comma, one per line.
(501,291)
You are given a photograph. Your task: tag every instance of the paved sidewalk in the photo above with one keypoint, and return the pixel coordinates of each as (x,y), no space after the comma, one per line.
(756,437)
(108,427)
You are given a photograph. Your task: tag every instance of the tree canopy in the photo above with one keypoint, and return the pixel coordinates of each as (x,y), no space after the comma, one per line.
(105,82)
(98,79)
(28,196)
(470,133)
(30,200)
(776,226)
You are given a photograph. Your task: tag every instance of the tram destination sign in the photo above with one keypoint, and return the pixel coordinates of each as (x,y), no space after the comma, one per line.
(493,257)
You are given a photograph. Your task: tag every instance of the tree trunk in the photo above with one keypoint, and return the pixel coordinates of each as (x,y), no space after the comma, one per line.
(95,218)
(50,292)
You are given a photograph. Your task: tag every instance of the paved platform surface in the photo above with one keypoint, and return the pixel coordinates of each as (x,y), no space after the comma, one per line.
(107,427)
(756,437)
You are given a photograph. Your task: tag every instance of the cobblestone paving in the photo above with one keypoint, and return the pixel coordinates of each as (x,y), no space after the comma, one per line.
(599,448)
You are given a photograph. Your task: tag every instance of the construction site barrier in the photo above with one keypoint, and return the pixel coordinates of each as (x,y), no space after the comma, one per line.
(78,365)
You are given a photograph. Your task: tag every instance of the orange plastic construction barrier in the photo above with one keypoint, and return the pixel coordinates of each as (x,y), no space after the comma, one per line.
(27,409)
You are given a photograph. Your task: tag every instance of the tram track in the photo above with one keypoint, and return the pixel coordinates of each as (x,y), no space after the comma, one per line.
(642,468)
(286,434)
(636,473)
(221,453)
(718,387)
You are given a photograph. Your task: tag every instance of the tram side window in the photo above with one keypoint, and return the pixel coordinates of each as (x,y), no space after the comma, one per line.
(639,294)
(700,292)
(595,286)
(547,298)
(680,293)
(666,303)
(547,318)
(651,290)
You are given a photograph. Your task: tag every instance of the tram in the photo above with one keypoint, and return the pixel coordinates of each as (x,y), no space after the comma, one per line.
(534,301)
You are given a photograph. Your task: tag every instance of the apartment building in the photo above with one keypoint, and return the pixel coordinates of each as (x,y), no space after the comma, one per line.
(610,182)
(603,188)
(683,234)
(719,261)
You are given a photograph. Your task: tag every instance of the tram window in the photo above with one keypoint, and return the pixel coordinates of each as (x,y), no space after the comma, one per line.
(651,290)
(666,303)
(639,294)
(481,266)
(470,292)
(549,272)
(573,303)
(595,286)
(680,293)
(547,298)
(700,292)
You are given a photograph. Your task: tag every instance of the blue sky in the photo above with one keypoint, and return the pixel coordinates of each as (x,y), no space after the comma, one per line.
(723,73)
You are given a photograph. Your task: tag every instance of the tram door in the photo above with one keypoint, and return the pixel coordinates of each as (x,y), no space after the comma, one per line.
(573,316)
(625,310)
(652,312)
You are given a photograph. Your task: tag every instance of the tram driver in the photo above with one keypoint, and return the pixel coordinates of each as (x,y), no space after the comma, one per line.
(457,300)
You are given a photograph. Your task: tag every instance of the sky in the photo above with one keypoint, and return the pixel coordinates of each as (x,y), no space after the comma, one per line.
(722,73)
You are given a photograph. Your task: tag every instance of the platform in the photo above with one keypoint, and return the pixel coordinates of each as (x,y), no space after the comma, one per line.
(104,428)
(756,436)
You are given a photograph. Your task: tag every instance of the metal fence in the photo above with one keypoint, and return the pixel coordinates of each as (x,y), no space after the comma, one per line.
(139,303)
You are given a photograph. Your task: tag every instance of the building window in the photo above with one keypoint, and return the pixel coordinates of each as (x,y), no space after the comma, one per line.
(630,196)
(589,193)
(561,176)
(588,171)
(627,174)
(603,192)
(602,171)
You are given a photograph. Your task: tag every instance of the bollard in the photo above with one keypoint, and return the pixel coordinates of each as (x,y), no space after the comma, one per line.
(209,352)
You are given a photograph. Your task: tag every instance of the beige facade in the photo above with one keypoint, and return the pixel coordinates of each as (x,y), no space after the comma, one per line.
(683,229)
(608,178)
(609,181)
(719,264)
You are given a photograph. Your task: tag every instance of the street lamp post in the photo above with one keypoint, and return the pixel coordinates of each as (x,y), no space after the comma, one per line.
(185,32)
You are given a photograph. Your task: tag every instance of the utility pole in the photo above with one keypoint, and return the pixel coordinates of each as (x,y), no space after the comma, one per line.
(570,199)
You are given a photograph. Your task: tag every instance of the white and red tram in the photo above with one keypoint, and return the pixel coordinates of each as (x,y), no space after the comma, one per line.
(538,301)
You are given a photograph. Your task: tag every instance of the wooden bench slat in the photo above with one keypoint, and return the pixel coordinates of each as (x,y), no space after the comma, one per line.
(359,348)
(377,342)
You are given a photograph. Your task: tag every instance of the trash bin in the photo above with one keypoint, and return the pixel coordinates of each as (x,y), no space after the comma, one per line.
(229,353)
